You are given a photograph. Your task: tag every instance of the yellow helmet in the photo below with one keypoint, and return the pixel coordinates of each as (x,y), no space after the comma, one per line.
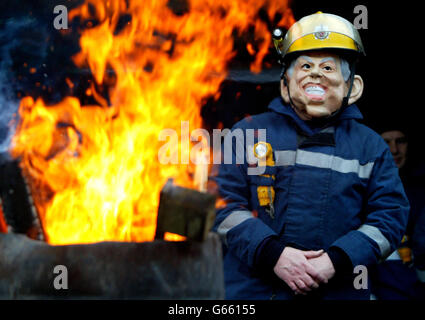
(318,31)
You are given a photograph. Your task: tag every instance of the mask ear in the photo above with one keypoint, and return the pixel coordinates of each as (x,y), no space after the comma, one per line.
(284,91)
(357,89)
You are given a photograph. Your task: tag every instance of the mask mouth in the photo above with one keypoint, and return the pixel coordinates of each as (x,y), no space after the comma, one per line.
(315,91)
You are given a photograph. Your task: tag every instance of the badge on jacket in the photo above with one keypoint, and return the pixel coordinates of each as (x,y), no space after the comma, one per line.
(266,194)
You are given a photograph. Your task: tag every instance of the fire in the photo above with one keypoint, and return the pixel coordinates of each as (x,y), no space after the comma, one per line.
(94,170)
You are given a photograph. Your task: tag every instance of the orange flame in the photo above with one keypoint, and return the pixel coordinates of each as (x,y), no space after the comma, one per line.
(94,170)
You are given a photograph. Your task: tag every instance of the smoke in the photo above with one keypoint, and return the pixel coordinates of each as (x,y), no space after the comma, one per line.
(16,41)
(8,110)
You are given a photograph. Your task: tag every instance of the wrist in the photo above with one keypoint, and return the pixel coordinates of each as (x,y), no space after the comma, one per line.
(269,253)
(340,260)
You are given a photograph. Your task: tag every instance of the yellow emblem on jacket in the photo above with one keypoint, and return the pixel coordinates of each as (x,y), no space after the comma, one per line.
(266,194)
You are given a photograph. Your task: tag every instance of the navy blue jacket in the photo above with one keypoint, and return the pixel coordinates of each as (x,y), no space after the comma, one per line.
(416,225)
(395,279)
(335,187)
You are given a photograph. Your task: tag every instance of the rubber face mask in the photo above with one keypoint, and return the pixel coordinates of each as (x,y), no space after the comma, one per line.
(317,84)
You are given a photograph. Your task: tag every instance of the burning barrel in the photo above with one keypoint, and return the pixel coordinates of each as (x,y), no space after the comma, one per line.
(159,269)
(110,270)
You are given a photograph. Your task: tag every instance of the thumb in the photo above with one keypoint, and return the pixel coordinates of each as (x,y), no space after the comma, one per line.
(313,254)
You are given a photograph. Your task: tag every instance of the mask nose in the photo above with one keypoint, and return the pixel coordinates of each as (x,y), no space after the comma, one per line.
(315,72)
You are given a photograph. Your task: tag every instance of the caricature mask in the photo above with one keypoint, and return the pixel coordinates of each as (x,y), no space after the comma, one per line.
(318,81)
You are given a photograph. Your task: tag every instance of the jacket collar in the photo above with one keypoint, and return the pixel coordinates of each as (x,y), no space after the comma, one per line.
(279,106)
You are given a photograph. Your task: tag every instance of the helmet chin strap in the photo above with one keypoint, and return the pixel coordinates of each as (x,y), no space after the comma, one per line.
(285,82)
(345,100)
(350,88)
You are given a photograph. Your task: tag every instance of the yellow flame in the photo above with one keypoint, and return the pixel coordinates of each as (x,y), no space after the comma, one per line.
(94,170)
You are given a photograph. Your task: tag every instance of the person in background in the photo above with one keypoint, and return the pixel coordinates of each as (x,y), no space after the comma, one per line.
(402,275)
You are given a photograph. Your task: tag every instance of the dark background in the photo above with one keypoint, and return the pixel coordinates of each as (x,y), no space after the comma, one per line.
(35,60)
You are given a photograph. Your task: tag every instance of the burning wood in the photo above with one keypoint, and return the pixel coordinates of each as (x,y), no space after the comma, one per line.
(16,202)
(186,212)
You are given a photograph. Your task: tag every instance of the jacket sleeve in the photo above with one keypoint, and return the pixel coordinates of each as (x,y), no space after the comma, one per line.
(386,214)
(240,230)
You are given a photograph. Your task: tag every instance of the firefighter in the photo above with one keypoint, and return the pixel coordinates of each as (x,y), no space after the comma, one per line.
(328,197)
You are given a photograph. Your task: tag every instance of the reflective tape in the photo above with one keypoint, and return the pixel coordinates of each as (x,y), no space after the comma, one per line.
(314,159)
(285,157)
(324,161)
(328,130)
(421,275)
(394,256)
(231,221)
(377,236)
(352,166)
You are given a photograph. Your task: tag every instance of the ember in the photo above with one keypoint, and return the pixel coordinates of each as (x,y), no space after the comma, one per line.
(94,170)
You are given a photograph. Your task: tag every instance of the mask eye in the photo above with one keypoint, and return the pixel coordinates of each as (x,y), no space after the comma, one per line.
(327,68)
(305,66)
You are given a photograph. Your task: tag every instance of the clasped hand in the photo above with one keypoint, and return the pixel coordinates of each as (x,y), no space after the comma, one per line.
(303,271)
